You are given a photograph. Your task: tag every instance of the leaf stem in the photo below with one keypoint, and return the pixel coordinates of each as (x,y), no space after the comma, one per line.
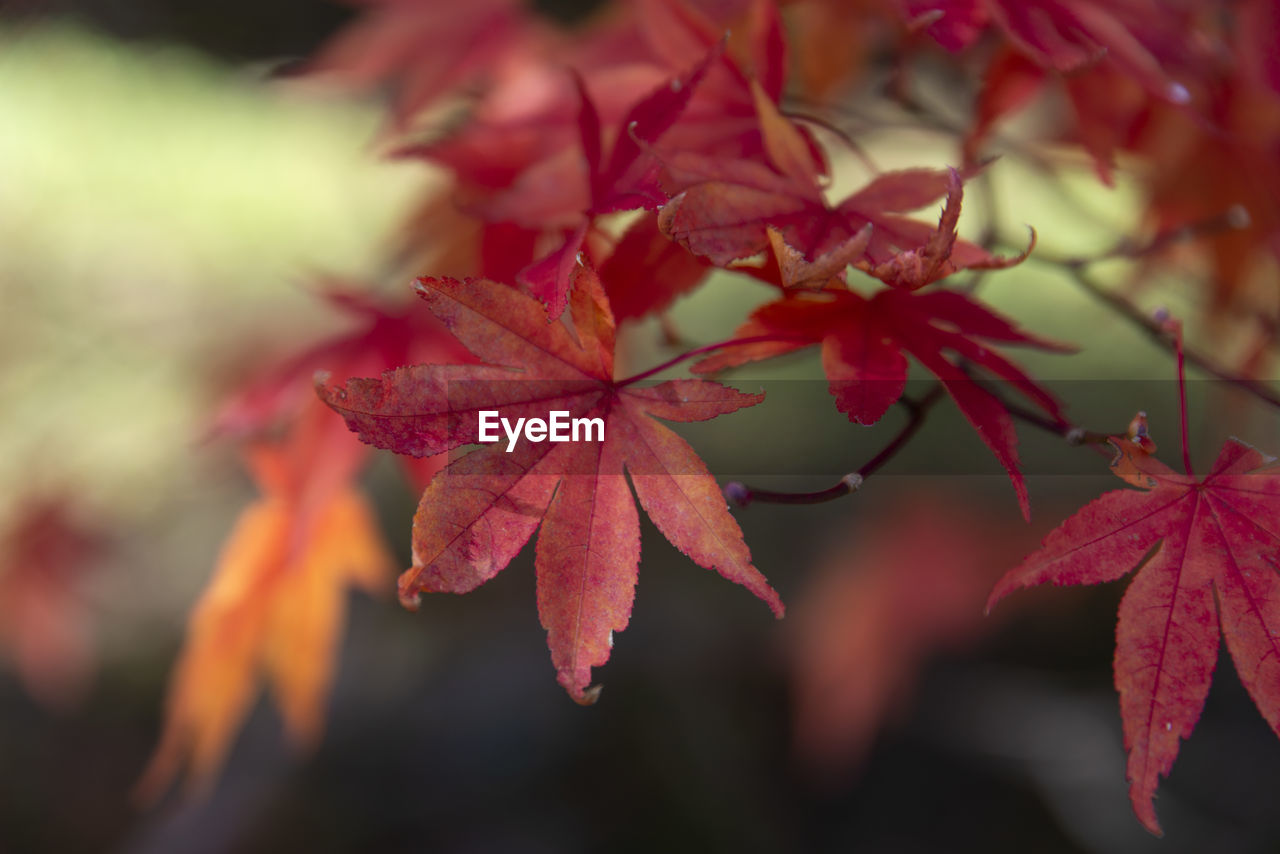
(1175,326)
(1059,426)
(700,351)
(742,495)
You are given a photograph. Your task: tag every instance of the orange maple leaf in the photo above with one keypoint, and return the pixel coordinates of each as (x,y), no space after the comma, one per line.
(274,610)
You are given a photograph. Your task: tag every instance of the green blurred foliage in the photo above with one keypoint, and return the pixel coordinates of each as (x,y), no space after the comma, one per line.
(161,219)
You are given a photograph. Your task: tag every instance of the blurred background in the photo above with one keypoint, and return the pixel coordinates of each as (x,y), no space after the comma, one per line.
(168,197)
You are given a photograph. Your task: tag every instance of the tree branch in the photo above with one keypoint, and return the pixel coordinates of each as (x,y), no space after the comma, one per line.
(742,495)
(1157,331)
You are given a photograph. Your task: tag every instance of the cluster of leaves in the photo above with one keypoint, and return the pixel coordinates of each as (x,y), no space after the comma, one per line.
(713,168)
(595,175)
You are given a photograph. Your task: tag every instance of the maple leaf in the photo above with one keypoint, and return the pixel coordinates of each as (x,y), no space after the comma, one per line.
(481,510)
(1107,105)
(864,342)
(1207,554)
(1067,36)
(626,180)
(430,48)
(937,258)
(276,604)
(565,192)
(724,209)
(646,272)
(721,118)
(546,154)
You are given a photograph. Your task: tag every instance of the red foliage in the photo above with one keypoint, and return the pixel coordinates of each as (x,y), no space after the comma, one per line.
(650,142)
(722,209)
(1206,550)
(481,510)
(863,343)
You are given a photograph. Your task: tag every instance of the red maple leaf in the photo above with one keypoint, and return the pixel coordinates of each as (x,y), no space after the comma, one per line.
(481,510)
(938,257)
(430,48)
(1207,551)
(909,269)
(1107,105)
(864,341)
(1112,60)
(627,179)
(527,172)
(546,154)
(1138,36)
(646,272)
(723,209)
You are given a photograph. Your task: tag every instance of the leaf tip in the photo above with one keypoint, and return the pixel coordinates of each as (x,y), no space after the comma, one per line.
(1006,585)
(1144,809)
(771,598)
(587,697)
(1024,498)
(410,598)
(326,392)
(424,285)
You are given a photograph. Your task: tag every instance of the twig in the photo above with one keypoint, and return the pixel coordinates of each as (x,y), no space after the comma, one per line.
(742,495)
(1060,426)
(1175,329)
(1162,335)
(1233,218)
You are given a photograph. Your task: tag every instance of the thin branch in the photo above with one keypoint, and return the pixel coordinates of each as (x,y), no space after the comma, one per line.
(1157,331)
(742,495)
(1076,436)
(1175,328)
(1233,218)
